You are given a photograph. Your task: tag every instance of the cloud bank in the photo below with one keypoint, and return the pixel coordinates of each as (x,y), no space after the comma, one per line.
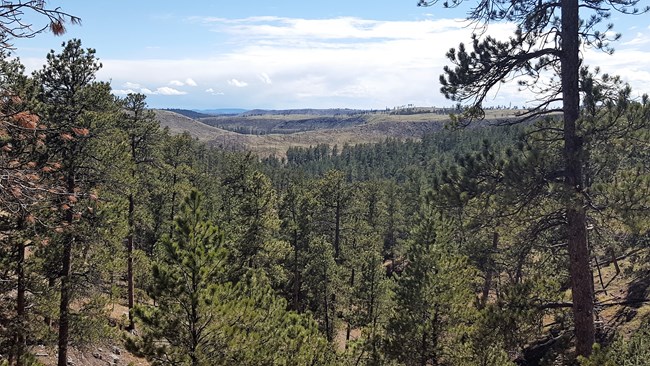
(275,62)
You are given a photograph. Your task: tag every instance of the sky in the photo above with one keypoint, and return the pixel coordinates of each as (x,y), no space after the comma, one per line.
(285,54)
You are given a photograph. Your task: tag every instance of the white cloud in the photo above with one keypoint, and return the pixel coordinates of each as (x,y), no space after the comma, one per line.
(131,85)
(165,90)
(213,92)
(188,82)
(237,83)
(123,91)
(342,28)
(341,62)
(638,39)
(264,77)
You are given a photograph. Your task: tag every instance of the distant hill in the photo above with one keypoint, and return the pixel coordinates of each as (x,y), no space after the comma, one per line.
(203,113)
(303,111)
(274,132)
(220,111)
(188,113)
(178,123)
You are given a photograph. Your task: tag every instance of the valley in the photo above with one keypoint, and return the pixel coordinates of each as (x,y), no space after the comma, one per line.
(271,133)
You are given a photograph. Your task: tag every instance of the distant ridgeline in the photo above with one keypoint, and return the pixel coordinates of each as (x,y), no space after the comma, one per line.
(196,114)
(188,113)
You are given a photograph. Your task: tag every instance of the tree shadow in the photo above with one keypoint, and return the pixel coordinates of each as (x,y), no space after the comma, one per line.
(637,292)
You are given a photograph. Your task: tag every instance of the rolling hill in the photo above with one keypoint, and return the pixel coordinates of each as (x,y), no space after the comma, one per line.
(272,132)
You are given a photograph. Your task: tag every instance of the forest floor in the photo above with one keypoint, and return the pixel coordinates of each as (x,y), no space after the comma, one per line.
(109,351)
(621,297)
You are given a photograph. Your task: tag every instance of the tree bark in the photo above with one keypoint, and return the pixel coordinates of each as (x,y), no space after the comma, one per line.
(328,333)
(172,212)
(348,331)
(489,272)
(129,263)
(579,267)
(295,297)
(64,311)
(66,286)
(21,307)
(337,231)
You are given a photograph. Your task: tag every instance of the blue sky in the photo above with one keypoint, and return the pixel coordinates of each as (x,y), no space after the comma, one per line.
(294,54)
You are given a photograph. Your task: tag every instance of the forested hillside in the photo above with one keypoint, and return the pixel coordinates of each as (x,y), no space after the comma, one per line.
(451,249)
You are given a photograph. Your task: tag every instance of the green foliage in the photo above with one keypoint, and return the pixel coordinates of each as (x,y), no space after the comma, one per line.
(632,351)
(334,256)
(322,283)
(187,279)
(255,328)
(249,209)
(433,315)
(203,320)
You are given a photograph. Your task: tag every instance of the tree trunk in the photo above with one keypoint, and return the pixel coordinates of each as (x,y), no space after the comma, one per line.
(337,231)
(348,331)
(489,272)
(423,349)
(20,299)
(129,263)
(295,297)
(579,267)
(194,322)
(64,311)
(66,286)
(328,334)
(172,212)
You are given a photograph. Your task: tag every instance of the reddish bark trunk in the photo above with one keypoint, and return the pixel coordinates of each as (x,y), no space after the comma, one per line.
(579,267)
(129,262)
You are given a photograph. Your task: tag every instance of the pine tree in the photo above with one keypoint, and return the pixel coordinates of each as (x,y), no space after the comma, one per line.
(142,132)
(297,214)
(22,198)
(322,284)
(249,212)
(187,279)
(432,318)
(176,176)
(79,111)
(491,61)
(200,319)
(256,329)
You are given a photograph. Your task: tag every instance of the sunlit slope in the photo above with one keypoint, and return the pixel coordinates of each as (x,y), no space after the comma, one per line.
(272,134)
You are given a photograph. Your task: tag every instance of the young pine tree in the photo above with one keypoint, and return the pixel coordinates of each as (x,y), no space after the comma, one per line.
(186,280)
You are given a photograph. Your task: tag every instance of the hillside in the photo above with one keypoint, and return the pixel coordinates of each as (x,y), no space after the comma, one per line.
(273,132)
(177,124)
